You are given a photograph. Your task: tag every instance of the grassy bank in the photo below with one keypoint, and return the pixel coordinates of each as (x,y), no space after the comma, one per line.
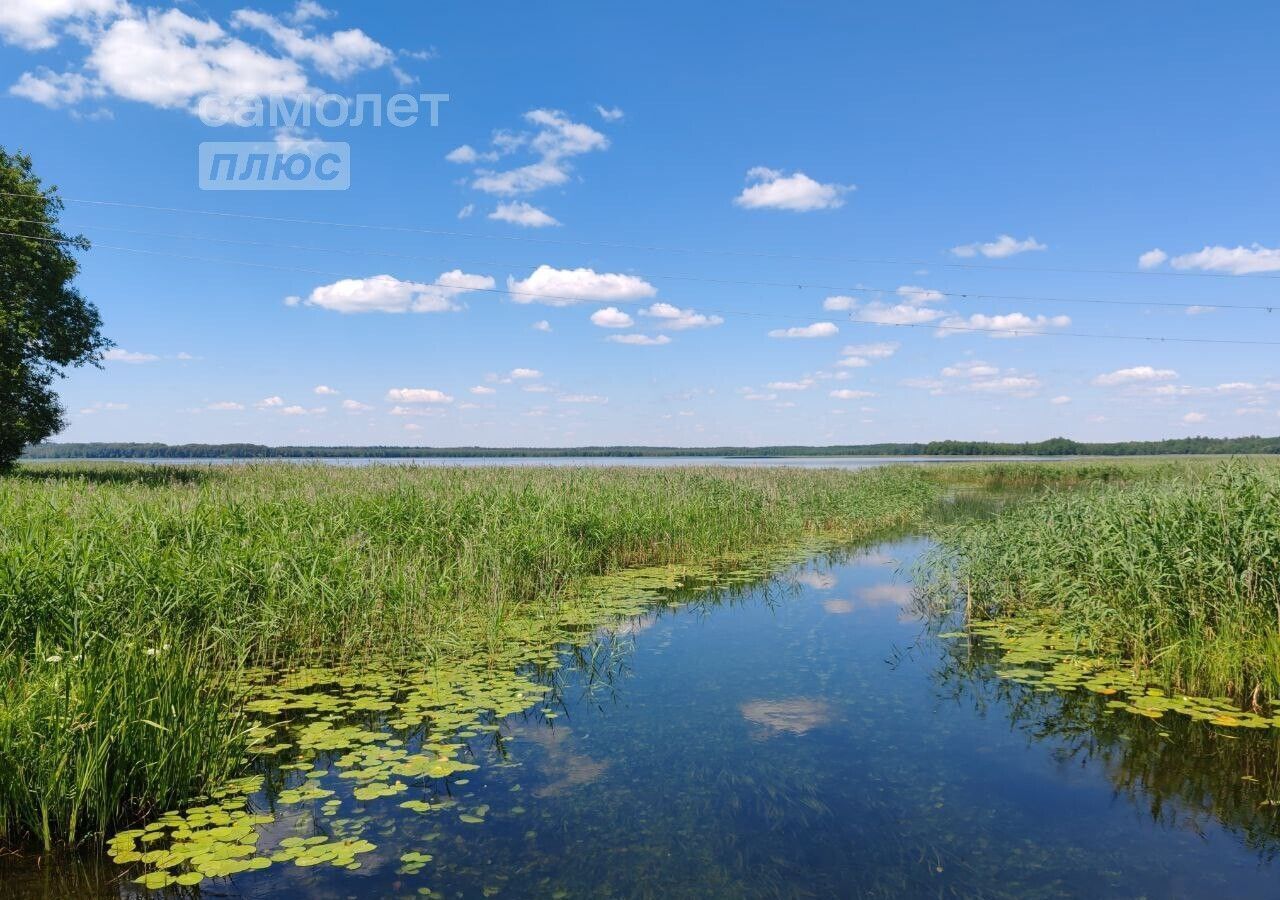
(1176,576)
(130,595)
(277,561)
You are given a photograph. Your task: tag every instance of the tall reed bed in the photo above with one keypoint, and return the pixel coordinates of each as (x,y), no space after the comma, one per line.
(99,564)
(279,560)
(1180,577)
(109,734)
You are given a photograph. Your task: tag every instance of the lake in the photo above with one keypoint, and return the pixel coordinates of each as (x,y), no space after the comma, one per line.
(808,735)
(851,463)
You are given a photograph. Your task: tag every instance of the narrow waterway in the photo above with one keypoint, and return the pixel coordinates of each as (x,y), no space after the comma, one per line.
(807,736)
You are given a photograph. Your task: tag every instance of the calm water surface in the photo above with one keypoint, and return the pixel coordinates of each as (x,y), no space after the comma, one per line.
(648,462)
(807,737)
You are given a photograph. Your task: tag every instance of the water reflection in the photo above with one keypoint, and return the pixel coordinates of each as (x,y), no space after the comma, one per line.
(802,737)
(1180,772)
(795,715)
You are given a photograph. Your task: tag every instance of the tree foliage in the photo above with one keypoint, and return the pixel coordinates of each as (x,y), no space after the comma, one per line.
(45,324)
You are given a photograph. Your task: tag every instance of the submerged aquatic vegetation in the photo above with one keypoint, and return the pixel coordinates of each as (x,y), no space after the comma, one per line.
(388,730)
(1164,753)
(1178,582)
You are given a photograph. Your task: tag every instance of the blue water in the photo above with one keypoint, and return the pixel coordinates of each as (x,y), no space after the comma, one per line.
(810,737)
(801,462)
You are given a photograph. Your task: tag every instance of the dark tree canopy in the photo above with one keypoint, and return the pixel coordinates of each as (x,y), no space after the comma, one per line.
(45,325)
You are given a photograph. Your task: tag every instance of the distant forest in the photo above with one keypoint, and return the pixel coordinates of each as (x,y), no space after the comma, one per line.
(1051,447)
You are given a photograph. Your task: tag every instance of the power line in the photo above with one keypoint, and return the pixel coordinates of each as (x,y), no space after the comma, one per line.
(1027,332)
(735,282)
(1003,332)
(654,248)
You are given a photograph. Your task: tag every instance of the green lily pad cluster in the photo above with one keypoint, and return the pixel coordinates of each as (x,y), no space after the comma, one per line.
(1039,657)
(391,728)
(213,840)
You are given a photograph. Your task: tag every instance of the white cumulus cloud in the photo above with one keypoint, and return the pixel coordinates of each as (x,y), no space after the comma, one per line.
(898,314)
(387,294)
(172,59)
(797,192)
(611,317)
(55,89)
(1152,258)
(678,319)
(339,55)
(1249,260)
(565,287)
(1008,325)
(34,24)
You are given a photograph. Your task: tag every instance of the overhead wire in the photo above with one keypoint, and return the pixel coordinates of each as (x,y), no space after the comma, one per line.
(568,299)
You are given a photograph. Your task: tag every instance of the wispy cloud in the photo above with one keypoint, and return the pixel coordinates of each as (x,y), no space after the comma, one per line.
(1003,246)
(1134,375)
(816,330)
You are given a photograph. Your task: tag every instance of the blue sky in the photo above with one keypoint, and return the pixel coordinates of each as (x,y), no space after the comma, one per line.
(651,199)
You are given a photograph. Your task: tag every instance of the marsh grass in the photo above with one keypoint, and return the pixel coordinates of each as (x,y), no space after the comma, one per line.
(1178,577)
(108,734)
(283,560)
(271,564)
(280,564)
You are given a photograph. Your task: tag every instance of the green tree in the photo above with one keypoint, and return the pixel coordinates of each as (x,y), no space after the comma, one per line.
(45,324)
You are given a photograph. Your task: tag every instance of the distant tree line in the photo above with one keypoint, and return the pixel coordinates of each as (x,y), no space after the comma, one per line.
(1052,447)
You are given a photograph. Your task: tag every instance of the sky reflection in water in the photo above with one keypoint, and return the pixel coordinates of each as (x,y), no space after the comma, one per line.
(809,738)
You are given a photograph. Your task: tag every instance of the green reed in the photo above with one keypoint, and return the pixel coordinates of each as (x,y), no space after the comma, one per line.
(1179,575)
(99,563)
(108,731)
(280,560)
